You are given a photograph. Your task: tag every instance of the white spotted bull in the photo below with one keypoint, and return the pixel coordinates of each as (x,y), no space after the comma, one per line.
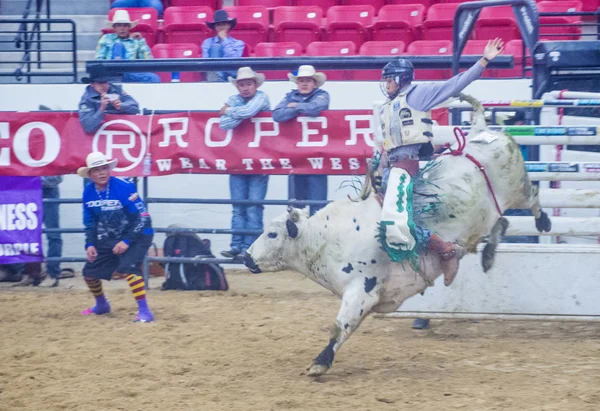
(337,247)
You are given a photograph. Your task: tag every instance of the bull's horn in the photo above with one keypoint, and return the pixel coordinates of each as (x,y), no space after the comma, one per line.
(294,214)
(292,228)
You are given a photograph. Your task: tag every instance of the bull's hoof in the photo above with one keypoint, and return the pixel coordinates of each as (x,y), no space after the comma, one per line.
(543,223)
(316,370)
(487,257)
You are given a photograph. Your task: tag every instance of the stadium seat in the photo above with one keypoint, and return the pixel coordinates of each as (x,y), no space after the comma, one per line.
(475,48)
(439,22)
(426,3)
(431,48)
(349,23)
(301,24)
(571,30)
(213,4)
(497,22)
(454,1)
(398,22)
(187,24)
(147,22)
(252,24)
(377,4)
(265,3)
(514,48)
(177,51)
(277,50)
(333,48)
(324,4)
(378,48)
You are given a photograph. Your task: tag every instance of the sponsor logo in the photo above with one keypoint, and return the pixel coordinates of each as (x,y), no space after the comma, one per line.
(591,167)
(133,197)
(550,131)
(536,167)
(407,123)
(124,137)
(405,113)
(581,131)
(563,168)
(527,103)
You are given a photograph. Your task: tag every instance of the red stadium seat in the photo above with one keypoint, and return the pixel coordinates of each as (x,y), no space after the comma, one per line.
(213,4)
(378,48)
(265,3)
(333,48)
(426,3)
(324,4)
(475,48)
(349,23)
(187,24)
(399,22)
(377,4)
(497,22)
(301,24)
(431,48)
(439,22)
(147,22)
(252,24)
(558,33)
(277,50)
(454,1)
(177,51)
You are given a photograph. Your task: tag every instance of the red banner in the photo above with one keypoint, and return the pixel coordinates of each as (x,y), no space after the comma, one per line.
(45,143)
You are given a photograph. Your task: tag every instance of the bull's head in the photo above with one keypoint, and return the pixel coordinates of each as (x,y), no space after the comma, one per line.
(278,243)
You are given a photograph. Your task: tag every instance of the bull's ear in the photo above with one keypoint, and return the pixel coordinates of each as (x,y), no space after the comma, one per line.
(292,228)
(294,214)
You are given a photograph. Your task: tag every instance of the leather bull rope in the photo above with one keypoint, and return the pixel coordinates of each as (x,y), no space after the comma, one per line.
(461,139)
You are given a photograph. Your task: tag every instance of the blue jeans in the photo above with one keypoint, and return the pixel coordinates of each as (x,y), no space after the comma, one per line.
(247,217)
(118,52)
(52,220)
(157,4)
(308,187)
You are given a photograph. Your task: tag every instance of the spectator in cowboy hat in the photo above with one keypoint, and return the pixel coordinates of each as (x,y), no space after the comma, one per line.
(102,97)
(118,233)
(124,45)
(155,4)
(248,103)
(307,100)
(222,45)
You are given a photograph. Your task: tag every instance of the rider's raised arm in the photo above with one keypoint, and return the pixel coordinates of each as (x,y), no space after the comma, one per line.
(424,97)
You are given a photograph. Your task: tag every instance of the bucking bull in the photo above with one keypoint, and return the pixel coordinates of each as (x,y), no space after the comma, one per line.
(337,247)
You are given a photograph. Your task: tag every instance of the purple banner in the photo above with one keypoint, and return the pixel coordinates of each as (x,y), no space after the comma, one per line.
(20,220)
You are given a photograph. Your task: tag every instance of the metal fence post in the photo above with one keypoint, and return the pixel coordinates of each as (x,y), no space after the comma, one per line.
(146,265)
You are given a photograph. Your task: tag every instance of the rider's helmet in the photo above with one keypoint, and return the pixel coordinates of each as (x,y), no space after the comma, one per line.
(401,71)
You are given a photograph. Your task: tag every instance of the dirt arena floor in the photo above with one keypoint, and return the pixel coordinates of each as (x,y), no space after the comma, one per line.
(248,349)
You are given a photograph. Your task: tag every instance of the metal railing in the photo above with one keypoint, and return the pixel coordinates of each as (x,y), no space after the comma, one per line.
(34,37)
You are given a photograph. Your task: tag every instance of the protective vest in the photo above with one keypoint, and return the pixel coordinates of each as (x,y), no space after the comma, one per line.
(402,125)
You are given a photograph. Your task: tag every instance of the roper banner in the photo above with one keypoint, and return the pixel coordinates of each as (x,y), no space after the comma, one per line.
(46,143)
(20,220)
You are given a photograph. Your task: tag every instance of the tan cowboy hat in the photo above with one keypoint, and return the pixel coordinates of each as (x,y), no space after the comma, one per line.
(122,17)
(245,73)
(308,71)
(93,160)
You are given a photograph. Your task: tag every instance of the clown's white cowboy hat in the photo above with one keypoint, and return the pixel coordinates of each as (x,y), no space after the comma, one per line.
(93,160)
(309,71)
(245,73)
(121,17)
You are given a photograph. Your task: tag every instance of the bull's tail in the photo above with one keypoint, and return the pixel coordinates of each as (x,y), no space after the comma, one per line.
(478,123)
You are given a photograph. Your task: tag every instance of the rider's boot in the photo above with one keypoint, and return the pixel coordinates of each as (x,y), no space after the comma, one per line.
(449,253)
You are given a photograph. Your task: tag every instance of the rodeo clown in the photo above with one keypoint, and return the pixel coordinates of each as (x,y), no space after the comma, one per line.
(405,123)
(118,232)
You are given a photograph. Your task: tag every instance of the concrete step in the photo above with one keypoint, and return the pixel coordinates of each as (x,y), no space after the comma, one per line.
(83,24)
(62,56)
(85,41)
(39,80)
(8,7)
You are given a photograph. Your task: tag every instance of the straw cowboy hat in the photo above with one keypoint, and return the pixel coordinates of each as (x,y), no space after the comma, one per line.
(93,160)
(308,71)
(245,73)
(221,16)
(121,17)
